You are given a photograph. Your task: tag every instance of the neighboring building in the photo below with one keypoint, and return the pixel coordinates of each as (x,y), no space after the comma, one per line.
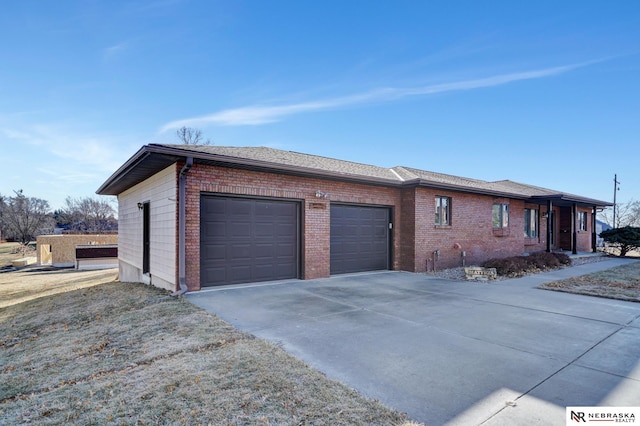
(60,250)
(197,216)
(601,226)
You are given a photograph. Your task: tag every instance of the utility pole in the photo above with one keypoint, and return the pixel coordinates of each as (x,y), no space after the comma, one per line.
(616,188)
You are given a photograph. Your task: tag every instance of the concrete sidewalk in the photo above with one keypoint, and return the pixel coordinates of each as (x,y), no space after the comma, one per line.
(452,352)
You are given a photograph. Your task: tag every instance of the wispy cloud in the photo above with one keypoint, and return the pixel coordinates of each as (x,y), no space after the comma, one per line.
(96,153)
(264,114)
(53,161)
(113,51)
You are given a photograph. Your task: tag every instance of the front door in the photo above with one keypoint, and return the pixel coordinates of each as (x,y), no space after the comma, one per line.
(146,238)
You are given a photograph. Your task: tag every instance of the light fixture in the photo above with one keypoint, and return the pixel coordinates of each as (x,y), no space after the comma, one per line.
(320,194)
(140,206)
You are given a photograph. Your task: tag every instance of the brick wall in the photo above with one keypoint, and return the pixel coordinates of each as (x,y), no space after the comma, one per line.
(407,226)
(565,234)
(471,230)
(584,237)
(538,243)
(415,236)
(315,221)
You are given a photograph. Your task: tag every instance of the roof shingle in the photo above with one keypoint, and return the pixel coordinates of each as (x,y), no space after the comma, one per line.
(307,164)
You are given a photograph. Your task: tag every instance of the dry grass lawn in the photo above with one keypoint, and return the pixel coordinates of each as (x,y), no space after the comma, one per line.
(9,253)
(621,283)
(81,348)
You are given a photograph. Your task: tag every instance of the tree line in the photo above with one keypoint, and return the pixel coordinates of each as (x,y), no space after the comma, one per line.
(22,218)
(627,214)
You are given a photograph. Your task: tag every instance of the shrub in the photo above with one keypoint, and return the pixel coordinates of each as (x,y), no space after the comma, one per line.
(626,239)
(562,258)
(517,266)
(508,266)
(543,260)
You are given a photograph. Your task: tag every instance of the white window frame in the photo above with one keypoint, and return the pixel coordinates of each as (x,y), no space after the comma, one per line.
(582,221)
(442,212)
(500,216)
(531,223)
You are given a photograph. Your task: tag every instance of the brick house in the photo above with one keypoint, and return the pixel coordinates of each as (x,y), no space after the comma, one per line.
(197,216)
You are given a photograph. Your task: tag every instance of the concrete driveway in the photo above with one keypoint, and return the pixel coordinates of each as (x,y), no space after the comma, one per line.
(451,352)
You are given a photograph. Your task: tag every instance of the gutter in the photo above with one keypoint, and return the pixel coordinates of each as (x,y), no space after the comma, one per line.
(182,219)
(121,173)
(266,166)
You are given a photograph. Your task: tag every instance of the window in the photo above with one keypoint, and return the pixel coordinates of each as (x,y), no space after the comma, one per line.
(501,215)
(530,223)
(443,211)
(582,221)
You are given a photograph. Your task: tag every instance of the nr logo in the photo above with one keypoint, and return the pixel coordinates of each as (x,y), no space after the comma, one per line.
(577,416)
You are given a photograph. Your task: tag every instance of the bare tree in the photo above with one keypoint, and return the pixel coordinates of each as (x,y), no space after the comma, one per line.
(23,218)
(191,136)
(627,214)
(87,214)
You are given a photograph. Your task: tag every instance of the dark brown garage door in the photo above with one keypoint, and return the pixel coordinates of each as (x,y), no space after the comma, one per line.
(248,240)
(359,238)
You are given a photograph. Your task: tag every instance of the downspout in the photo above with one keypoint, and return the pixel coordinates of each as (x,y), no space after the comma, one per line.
(182,220)
(594,236)
(574,228)
(549,224)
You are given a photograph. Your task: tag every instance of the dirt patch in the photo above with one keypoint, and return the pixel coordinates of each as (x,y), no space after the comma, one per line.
(10,252)
(36,281)
(125,353)
(622,283)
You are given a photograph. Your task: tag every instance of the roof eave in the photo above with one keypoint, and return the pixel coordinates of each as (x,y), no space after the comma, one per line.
(119,174)
(114,184)
(566,198)
(467,189)
(153,157)
(266,166)
(148,160)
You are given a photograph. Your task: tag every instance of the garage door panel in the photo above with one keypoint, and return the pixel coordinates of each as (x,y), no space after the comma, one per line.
(239,229)
(264,230)
(217,252)
(262,251)
(359,238)
(237,207)
(248,240)
(239,274)
(263,272)
(284,250)
(239,253)
(285,229)
(219,272)
(216,228)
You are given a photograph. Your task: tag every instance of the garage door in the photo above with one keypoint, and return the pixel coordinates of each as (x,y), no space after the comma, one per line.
(248,240)
(359,238)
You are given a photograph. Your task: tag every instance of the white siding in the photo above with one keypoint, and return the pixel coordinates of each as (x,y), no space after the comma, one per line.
(160,190)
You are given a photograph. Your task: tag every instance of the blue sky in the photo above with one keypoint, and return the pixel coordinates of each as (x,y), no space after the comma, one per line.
(545,93)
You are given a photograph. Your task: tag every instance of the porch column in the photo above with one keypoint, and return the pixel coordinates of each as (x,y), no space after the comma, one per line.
(549,224)
(594,247)
(574,229)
